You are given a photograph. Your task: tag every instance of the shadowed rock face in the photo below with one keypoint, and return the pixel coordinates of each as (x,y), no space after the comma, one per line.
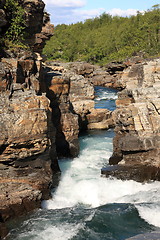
(137,118)
(64,118)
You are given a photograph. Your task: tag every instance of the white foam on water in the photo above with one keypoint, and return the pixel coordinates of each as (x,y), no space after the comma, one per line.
(82,184)
(108,94)
(150,213)
(105,97)
(59,232)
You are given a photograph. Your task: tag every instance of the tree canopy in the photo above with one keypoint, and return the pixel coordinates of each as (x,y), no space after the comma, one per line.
(107,38)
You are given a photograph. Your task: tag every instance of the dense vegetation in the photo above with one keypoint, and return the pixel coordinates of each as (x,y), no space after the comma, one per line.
(15,14)
(107,38)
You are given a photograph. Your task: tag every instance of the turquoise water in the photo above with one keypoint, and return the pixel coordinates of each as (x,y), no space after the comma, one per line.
(105,98)
(87,206)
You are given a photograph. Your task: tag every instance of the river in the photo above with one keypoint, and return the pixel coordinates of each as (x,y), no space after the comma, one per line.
(87,206)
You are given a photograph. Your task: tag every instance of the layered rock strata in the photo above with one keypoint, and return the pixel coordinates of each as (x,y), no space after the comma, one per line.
(27,134)
(72,84)
(27,139)
(106,76)
(137,120)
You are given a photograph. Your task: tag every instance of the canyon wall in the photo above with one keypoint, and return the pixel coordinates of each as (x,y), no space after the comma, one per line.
(137,121)
(27,134)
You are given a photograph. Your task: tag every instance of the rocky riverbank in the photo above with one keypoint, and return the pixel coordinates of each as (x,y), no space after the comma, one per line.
(136,143)
(43,108)
(137,121)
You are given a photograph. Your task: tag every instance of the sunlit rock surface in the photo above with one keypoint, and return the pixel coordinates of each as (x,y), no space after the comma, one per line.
(137,118)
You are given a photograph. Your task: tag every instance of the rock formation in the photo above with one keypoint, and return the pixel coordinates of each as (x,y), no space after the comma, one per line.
(137,120)
(106,76)
(43,108)
(72,84)
(37,27)
(27,134)
(63,117)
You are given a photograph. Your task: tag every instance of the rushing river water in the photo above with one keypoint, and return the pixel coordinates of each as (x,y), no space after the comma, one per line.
(87,206)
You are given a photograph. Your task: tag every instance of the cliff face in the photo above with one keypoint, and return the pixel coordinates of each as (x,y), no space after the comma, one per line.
(137,120)
(63,117)
(27,134)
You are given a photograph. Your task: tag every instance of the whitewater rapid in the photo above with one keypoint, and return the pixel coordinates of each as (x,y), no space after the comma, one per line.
(81,184)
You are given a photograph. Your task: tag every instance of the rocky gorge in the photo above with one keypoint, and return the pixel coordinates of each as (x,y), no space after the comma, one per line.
(48,116)
(44,107)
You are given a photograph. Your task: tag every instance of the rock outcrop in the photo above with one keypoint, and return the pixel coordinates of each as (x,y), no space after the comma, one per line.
(27,139)
(71,83)
(63,117)
(137,120)
(106,76)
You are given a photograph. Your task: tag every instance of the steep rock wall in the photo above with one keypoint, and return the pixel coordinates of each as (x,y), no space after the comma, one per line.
(27,134)
(137,120)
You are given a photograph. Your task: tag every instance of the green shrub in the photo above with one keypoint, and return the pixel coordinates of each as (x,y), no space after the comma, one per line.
(15,16)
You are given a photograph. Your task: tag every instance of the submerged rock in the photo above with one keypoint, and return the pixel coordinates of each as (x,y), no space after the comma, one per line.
(139,173)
